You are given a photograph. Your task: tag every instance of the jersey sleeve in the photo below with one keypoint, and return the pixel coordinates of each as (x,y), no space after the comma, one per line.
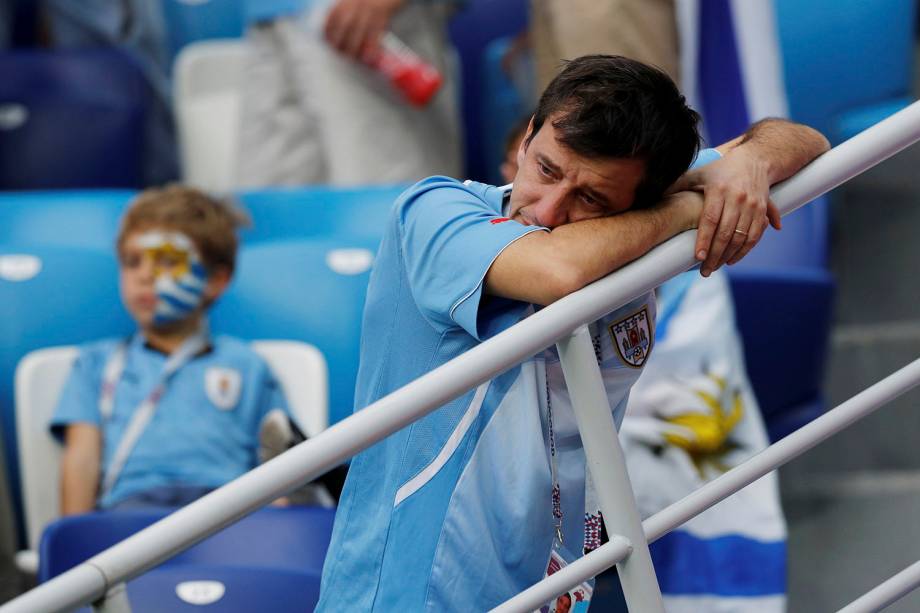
(449,238)
(79,400)
(705,156)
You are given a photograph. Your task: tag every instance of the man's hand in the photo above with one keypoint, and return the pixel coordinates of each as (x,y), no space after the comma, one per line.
(354,26)
(737,205)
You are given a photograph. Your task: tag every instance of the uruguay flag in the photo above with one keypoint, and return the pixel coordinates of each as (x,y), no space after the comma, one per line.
(692,416)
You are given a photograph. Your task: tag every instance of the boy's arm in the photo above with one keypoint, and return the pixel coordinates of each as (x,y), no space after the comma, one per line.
(80,468)
(542,267)
(737,187)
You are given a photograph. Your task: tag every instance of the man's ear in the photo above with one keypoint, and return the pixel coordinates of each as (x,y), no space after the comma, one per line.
(522,148)
(217,283)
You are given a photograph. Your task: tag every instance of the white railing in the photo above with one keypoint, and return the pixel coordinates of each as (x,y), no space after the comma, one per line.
(562,321)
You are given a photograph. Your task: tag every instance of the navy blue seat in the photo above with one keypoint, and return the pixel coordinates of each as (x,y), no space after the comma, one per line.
(71,119)
(471,30)
(269,561)
(784,318)
(187,22)
(80,218)
(51,296)
(307,289)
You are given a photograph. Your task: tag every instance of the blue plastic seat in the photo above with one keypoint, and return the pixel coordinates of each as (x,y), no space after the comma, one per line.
(846,66)
(51,296)
(308,289)
(187,22)
(283,213)
(270,560)
(502,108)
(784,318)
(71,119)
(85,218)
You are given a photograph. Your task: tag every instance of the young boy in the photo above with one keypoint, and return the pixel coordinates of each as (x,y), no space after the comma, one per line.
(165,416)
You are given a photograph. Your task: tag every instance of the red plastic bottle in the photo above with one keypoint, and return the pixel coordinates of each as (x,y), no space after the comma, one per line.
(416,79)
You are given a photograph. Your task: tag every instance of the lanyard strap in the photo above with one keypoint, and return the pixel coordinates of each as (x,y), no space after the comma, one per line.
(593,517)
(145,410)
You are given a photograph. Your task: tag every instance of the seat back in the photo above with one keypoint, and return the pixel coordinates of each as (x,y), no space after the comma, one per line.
(307,289)
(208,77)
(86,219)
(301,371)
(40,377)
(840,59)
(294,538)
(71,118)
(191,21)
(784,317)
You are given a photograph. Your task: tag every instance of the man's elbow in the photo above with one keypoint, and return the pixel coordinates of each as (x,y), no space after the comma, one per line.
(563,279)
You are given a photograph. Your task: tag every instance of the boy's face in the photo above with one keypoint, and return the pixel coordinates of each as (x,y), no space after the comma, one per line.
(163,282)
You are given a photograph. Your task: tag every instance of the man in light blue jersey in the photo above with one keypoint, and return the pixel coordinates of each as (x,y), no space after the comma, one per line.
(473,503)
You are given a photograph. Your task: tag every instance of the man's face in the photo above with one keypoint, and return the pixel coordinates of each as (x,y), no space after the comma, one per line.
(555,186)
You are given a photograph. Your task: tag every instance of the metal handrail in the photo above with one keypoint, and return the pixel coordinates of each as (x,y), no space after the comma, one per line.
(140,552)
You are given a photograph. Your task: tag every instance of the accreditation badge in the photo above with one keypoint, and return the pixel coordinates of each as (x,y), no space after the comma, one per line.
(223,385)
(576,600)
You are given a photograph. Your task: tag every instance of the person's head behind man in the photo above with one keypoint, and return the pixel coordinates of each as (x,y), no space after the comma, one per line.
(609,134)
(177,251)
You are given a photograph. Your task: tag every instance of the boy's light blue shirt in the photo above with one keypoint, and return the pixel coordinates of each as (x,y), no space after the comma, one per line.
(204,431)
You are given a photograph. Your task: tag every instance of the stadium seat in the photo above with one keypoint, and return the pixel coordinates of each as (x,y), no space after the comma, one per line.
(190,21)
(471,30)
(846,70)
(784,317)
(502,108)
(308,289)
(79,218)
(40,376)
(71,119)
(319,212)
(270,560)
(207,102)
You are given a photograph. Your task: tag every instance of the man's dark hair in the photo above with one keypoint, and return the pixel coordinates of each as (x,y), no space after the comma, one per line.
(614,107)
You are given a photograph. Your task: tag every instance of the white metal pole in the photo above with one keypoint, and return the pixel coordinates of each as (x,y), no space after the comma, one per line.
(602,558)
(766,461)
(886,593)
(607,464)
(407,404)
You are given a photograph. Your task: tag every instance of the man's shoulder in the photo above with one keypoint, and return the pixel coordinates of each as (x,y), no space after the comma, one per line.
(440,187)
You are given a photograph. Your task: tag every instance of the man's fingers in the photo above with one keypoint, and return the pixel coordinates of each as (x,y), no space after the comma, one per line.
(709,222)
(754,235)
(721,239)
(776,220)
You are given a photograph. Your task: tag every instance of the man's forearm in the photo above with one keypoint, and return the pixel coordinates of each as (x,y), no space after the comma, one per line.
(785,146)
(79,483)
(541,268)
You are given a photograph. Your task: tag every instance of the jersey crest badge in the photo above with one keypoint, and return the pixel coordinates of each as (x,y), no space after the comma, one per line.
(222,386)
(632,337)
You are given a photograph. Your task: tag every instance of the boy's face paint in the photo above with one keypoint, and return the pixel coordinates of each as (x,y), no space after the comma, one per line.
(163,280)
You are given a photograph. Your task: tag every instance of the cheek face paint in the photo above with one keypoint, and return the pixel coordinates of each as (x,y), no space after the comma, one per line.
(180,276)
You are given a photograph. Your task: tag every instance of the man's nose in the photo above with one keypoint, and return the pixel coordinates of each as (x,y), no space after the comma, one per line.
(550,210)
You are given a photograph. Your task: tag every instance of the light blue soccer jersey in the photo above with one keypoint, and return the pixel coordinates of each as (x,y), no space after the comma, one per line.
(204,431)
(454,513)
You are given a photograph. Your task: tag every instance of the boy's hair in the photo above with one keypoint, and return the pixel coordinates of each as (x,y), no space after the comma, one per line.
(614,107)
(210,223)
